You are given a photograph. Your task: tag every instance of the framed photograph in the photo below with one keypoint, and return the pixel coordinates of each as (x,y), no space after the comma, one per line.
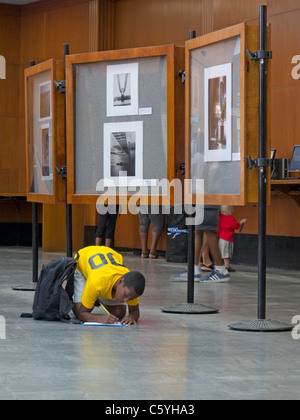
(122,89)
(123,153)
(45,100)
(217,113)
(47,174)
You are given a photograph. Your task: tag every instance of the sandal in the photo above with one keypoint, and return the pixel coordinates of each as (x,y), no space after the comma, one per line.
(206,268)
(152,256)
(145,255)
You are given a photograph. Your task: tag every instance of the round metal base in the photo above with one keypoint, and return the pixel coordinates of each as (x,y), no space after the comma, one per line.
(261,325)
(189,308)
(25,288)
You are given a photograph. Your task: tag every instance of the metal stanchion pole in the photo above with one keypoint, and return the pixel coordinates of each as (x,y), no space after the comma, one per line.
(261,323)
(190,307)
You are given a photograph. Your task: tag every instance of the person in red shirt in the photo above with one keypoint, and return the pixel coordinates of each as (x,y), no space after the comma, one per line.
(227,227)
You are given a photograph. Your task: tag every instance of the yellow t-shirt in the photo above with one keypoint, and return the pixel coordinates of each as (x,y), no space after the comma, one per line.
(102,267)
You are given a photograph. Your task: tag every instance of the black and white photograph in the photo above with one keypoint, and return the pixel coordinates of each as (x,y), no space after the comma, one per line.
(217,108)
(122,89)
(123,151)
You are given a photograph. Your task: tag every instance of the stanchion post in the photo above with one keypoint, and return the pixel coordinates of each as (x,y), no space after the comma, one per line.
(191,264)
(262,219)
(261,324)
(35,231)
(190,307)
(69,239)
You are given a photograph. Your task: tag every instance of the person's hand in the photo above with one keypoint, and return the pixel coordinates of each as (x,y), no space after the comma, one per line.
(128,320)
(109,319)
(243,221)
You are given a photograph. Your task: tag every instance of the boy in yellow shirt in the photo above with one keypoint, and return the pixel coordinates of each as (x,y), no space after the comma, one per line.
(102,279)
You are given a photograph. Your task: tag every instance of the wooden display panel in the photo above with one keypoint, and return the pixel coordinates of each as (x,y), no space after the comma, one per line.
(44,126)
(117,99)
(222,116)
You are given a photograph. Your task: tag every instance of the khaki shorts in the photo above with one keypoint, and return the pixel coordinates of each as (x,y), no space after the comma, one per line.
(79,285)
(226,248)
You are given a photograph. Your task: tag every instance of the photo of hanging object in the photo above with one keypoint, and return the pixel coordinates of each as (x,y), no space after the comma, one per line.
(122,96)
(217,107)
(122,90)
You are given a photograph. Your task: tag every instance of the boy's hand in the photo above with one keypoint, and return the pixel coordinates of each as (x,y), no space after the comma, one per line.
(243,221)
(128,320)
(109,319)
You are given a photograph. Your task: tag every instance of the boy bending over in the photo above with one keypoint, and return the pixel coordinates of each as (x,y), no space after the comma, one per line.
(101,279)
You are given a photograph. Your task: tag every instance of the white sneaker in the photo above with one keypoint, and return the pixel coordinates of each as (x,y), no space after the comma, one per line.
(184,276)
(215,277)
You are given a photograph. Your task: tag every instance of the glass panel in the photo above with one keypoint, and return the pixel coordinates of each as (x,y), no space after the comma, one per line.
(40,133)
(120,122)
(215,116)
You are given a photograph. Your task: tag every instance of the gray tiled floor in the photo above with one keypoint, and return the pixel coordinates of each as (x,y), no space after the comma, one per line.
(167,356)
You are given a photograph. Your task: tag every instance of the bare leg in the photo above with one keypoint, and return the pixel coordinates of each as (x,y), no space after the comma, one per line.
(204,253)
(108,243)
(227,262)
(154,243)
(213,242)
(144,241)
(198,245)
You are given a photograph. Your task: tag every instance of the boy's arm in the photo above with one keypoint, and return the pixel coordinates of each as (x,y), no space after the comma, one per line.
(133,315)
(84,314)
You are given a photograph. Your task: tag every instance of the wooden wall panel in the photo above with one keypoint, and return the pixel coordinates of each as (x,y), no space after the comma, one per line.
(54,227)
(106,10)
(10,37)
(282,217)
(230,12)
(10,161)
(32,39)
(285,89)
(285,45)
(285,120)
(37,32)
(144,23)
(276,7)
(45,27)
(62,27)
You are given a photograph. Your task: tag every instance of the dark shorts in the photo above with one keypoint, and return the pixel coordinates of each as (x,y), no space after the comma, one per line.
(107,225)
(211,218)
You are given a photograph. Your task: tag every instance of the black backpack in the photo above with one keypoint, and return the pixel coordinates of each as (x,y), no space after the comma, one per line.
(54,291)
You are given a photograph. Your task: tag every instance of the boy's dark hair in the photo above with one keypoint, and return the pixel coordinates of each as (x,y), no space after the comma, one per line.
(135,280)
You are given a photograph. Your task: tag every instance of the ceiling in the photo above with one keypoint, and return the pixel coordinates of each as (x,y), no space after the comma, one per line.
(19,2)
